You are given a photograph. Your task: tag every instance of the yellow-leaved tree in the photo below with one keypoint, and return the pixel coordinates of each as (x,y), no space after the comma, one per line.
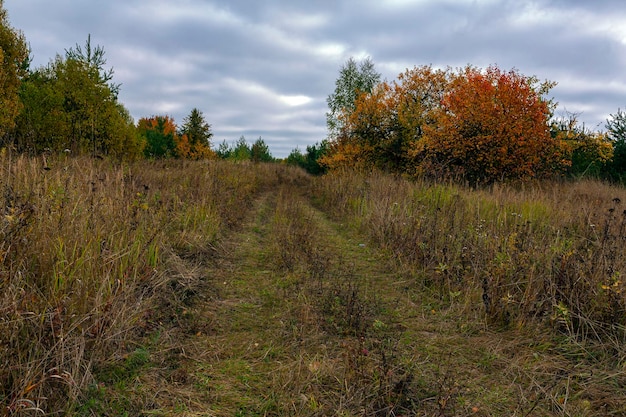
(382,125)
(13,66)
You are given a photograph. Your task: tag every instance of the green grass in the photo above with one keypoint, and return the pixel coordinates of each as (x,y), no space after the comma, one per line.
(209,288)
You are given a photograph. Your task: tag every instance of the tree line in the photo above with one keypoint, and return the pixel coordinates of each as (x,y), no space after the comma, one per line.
(482,125)
(71,105)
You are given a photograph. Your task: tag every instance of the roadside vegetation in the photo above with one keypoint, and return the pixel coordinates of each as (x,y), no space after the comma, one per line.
(93,253)
(211,288)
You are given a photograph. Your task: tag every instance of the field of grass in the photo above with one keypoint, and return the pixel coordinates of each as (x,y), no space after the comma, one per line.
(174,288)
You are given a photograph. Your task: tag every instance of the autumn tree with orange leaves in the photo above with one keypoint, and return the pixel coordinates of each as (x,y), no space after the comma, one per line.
(164,140)
(491,125)
(367,131)
(382,125)
(480,125)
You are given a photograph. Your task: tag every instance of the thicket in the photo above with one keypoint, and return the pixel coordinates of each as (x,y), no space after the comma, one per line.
(480,126)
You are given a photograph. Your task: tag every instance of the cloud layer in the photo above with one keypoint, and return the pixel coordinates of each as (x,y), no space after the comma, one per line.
(266,68)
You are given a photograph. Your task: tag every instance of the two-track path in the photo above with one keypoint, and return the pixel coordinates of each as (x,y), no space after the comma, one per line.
(299,315)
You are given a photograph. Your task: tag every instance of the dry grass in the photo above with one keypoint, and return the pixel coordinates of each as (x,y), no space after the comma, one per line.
(93,253)
(209,288)
(551,252)
(546,258)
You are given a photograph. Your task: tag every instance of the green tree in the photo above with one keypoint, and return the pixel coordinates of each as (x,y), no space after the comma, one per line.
(224,150)
(616,126)
(94,61)
(238,151)
(296,157)
(159,133)
(309,161)
(195,137)
(14,59)
(42,123)
(196,128)
(130,144)
(72,103)
(90,97)
(260,152)
(616,130)
(354,79)
(313,155)
(241,151)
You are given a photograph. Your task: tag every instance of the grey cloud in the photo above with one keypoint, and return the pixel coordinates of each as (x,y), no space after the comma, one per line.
(245,64)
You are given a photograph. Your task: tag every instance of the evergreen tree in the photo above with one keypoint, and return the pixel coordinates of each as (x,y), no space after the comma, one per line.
(90,96)
(196,128)
(241,151)
(616,129)
(260,152)
(159,133)
(309,161)
(224,150)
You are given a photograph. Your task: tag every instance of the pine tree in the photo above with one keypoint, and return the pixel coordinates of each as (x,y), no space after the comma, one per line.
(196,128)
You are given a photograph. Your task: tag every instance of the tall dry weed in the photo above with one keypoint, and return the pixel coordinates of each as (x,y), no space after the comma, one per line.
(548,252)
(90,250)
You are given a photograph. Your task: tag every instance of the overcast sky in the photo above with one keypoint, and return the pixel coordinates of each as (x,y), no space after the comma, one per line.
(265,67)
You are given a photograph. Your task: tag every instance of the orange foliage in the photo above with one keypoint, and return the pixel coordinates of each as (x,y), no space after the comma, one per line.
(196,151)
(491,125)
(483,125)
(163,140)
(372,127)
(183,147)
(385,123)
(164,124)
(344,154)
(365,128)
(419,91)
